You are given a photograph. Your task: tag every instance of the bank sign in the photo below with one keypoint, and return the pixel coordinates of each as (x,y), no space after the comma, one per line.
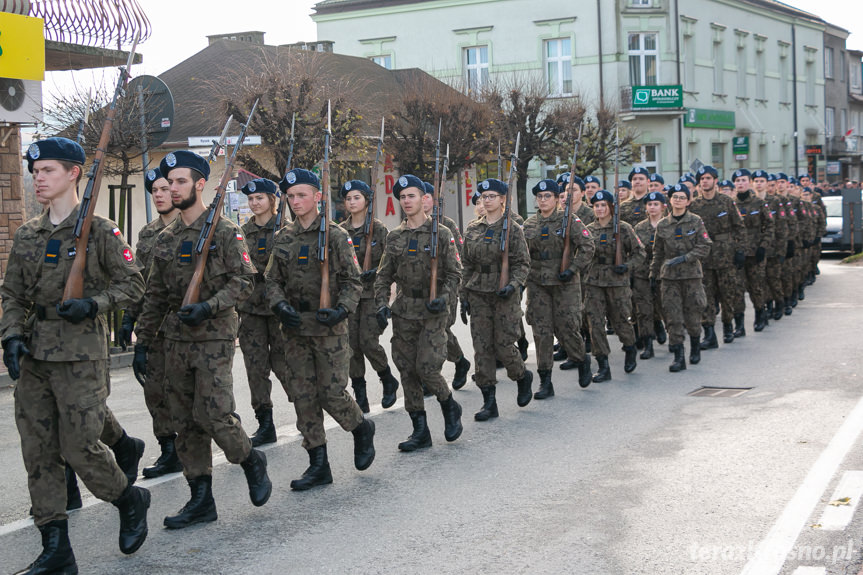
(657,96)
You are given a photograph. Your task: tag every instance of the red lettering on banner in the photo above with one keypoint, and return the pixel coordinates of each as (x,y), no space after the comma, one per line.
(391,208)
(389,182)
(388,163)
(468,188)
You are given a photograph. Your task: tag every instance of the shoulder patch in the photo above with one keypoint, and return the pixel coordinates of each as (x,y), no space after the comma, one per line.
(239,237)
(127,255)
(585,233)
(246,258)
(116,232)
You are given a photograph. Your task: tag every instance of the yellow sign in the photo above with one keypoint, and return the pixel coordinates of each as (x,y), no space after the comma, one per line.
(22,47)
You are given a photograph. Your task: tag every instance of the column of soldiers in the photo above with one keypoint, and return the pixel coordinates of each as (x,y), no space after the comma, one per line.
(680,268)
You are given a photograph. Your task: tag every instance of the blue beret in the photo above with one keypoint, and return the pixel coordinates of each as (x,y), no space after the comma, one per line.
(492,185)
(771,177)
(356,186)
(704,170)
(657,178)
(405,182)
(655,197)
(428,188)
(567,178)
(678,188)
(740,173)
(639,170)
(575,180)
(602,196)
(782,176)
(807,189)
(260,186)
(62,149)
(804,175)
(546,185)
(592,180)
(667,188)
(150,178)
(726,184)
(624,184)
(563,178)
(759,174)
(686,178)
(475,197)
(299,176)
(184,159)
(793,180)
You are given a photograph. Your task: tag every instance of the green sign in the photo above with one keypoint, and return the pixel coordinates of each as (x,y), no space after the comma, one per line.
(657,96)
(740,148)
(715,119)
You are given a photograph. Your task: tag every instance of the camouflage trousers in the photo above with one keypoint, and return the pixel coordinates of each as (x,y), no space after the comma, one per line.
(789,275)
(494,325)
(200,394)
(453,349)
(756,281)
(419,351)
(614,304)
(721,285)
(365,339)
(263,347)
(646,305)
(60,412)
(773,273)
(683,304)
(154,389)
(555,311)
(318,376)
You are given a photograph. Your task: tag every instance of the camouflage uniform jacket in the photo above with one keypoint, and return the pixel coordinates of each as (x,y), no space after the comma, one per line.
(633,210)
(456,233)
(294,275)
(601,271)
(482,256)
(259,240)
(820,219)
(38,266)
(758,221)
(544,238)
(585,214)
(227,281)
(407,262)
(725,227)
(379,243)
(780,226)
(685,237)
(646,235)
(803,223)
(791,218)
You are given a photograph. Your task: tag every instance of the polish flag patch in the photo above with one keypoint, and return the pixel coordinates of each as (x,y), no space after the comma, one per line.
(240,237)
(706,237)
(116,232)
(127,253)
(350,241)
(246,258)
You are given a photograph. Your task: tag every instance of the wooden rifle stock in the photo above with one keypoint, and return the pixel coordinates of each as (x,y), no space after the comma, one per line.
(567,249)
(324,234)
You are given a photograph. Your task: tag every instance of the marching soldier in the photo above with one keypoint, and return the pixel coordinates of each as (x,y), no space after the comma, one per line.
(656,183)
(362,324)
(645,296)
(777,250)
(681,242)
(419,324)
(316,340)
(632,208)
(199,340)
(789,289)
(591,186)
(59,355)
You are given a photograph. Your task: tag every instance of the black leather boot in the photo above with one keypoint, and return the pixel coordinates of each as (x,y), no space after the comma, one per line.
(648,348)
(489,405)
(585,376)
(603,373)
(128,452)
(133,505)
(759,319)
(694,350)
(788,308)
(679,363)
(801,294)
(661,335)
(522,347)
(391,385)
(73,494)
(168,462)
(629,361)
(200,508)
(462,366)
(794,296)
(421,436)
(318,472)
(769,308)
(560,354)
(586,337)
(739,328)
(57,557)
(778,310)
(451,418)
(364,444)
(359,385)
(266,432)
(727,333)
(525,391)
(568,364)
(255,469)
(546,389)
(709,341)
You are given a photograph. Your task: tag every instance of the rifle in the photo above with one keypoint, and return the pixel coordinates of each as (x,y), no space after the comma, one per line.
(507,216)
(435,217)
(74,288)
(567,212)
(618,247)
(281,211)
(84,119)
(324,233)
(440,202)
(202,248)
(220,143)
(369,225)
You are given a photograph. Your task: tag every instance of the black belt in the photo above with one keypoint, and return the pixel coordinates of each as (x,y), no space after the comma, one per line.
(544,256)
(419,293)
(302,305)
(488,269)
(46,313)
(600,260)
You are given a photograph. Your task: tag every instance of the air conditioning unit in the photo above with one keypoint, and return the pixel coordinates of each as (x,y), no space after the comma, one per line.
(20,101)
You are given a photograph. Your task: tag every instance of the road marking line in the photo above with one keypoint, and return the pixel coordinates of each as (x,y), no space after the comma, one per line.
(836,518)
(771,553)
(810,571)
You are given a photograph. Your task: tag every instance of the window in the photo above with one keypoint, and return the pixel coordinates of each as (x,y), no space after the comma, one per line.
(558,66)
(810,83)
(741,71)
(476,67)
(641,3)
(842,65)
(828,62)
(643,59)
(830,121)
(718,67)
(783,78)
(855,75)
(646,156)
(717,156)
(843,121)
(689,63)
(385,60)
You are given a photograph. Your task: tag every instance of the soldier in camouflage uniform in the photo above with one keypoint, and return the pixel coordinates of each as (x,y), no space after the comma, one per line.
(721,282)
(646,296)
(681,242)
(199,347)
(59,355)
(363,325)
(819,213)
(591,186)
(776,252)
(419,321)
(655,183)
(806,233)
(260,338)
(609,296)
(495,311)
(789,289)
(632,209)
(316,338)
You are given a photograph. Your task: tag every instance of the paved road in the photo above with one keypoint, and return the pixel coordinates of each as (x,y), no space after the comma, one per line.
(629,476)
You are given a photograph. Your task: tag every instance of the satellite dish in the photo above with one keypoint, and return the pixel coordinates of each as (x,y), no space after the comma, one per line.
(158,107)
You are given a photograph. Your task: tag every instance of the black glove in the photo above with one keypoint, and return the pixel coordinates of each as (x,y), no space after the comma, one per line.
(465,311)
(806,244)
(369,275)
(566,276)
(384,313)
(760,253)
(139,363)
(653,284)
(739,259)
(789,250)
(675,261)
(194,314)
(77,310)
(621,269)
(331,316)
(14,349)
(817,242)
(506,291)
(287,314)
(127,326)
(436,305)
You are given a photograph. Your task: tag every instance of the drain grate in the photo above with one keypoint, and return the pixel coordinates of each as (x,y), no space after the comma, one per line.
(719,391)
